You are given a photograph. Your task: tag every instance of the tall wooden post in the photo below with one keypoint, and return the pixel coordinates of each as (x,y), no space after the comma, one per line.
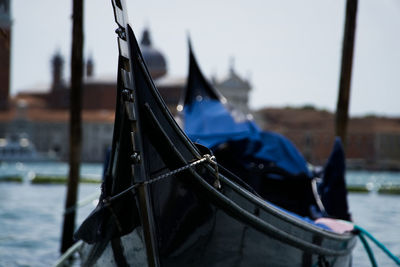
(75,126)
(342,108)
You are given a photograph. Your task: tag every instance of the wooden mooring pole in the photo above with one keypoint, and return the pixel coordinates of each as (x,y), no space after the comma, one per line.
(342,108)
(75,126)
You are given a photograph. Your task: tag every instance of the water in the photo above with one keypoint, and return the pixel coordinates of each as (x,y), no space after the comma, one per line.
(373,179)
(380,215)
(31,215)
(29,170)
(30,222)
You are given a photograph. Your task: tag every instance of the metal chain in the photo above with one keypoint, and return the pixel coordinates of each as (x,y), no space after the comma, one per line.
(158,178)
(205,158)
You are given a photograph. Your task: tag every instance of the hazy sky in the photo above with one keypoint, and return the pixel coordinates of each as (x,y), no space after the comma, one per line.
(290,50)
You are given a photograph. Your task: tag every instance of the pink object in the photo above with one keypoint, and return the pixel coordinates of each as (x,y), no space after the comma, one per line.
(337,226)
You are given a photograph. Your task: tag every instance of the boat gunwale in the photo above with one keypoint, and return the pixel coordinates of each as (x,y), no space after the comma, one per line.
(290,238)
(268,207)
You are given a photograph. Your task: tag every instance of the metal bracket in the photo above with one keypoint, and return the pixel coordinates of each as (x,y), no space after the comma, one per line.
(121,33)
(130,111)
(135,157)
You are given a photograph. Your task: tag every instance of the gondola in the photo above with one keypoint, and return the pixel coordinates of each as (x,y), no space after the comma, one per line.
(270,163)
(166,201)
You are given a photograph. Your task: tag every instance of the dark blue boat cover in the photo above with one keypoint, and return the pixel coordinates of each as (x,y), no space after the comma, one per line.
(211,123)
(333,187)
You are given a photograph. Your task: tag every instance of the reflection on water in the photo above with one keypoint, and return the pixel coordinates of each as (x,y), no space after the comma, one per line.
(376,179)
(31,215)
(30,169)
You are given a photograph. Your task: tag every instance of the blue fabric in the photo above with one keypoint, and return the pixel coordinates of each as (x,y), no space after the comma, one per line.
(333,188)
(303,218)
(278,148)
(210,123)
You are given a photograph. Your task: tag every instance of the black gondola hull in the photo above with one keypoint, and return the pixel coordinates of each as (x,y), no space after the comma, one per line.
(183,212)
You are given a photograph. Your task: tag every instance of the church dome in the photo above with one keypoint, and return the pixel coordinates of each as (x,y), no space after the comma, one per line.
(154,59)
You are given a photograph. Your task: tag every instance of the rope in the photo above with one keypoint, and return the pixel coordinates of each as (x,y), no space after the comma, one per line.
(64,257)
(205,158)
(316,195)
(368,249)
(82,203)
(362,232)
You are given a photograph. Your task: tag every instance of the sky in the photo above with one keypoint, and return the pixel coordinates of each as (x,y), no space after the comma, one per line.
(289,50)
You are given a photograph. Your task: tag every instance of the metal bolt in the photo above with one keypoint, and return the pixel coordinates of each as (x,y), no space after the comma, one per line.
(126,95)
(135,157)
(121,33)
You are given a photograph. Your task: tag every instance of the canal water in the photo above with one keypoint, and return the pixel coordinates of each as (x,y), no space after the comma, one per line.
(31,215)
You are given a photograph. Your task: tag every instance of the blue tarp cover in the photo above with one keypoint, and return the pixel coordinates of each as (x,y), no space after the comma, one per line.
(211,124)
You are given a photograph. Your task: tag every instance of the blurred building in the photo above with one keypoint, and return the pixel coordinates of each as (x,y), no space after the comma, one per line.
(43,116)
(372,142)
(235,89)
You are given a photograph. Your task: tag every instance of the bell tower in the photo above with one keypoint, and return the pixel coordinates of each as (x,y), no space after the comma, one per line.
(5,53)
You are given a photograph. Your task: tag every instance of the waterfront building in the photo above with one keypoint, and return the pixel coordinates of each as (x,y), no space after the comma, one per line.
(372,142)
